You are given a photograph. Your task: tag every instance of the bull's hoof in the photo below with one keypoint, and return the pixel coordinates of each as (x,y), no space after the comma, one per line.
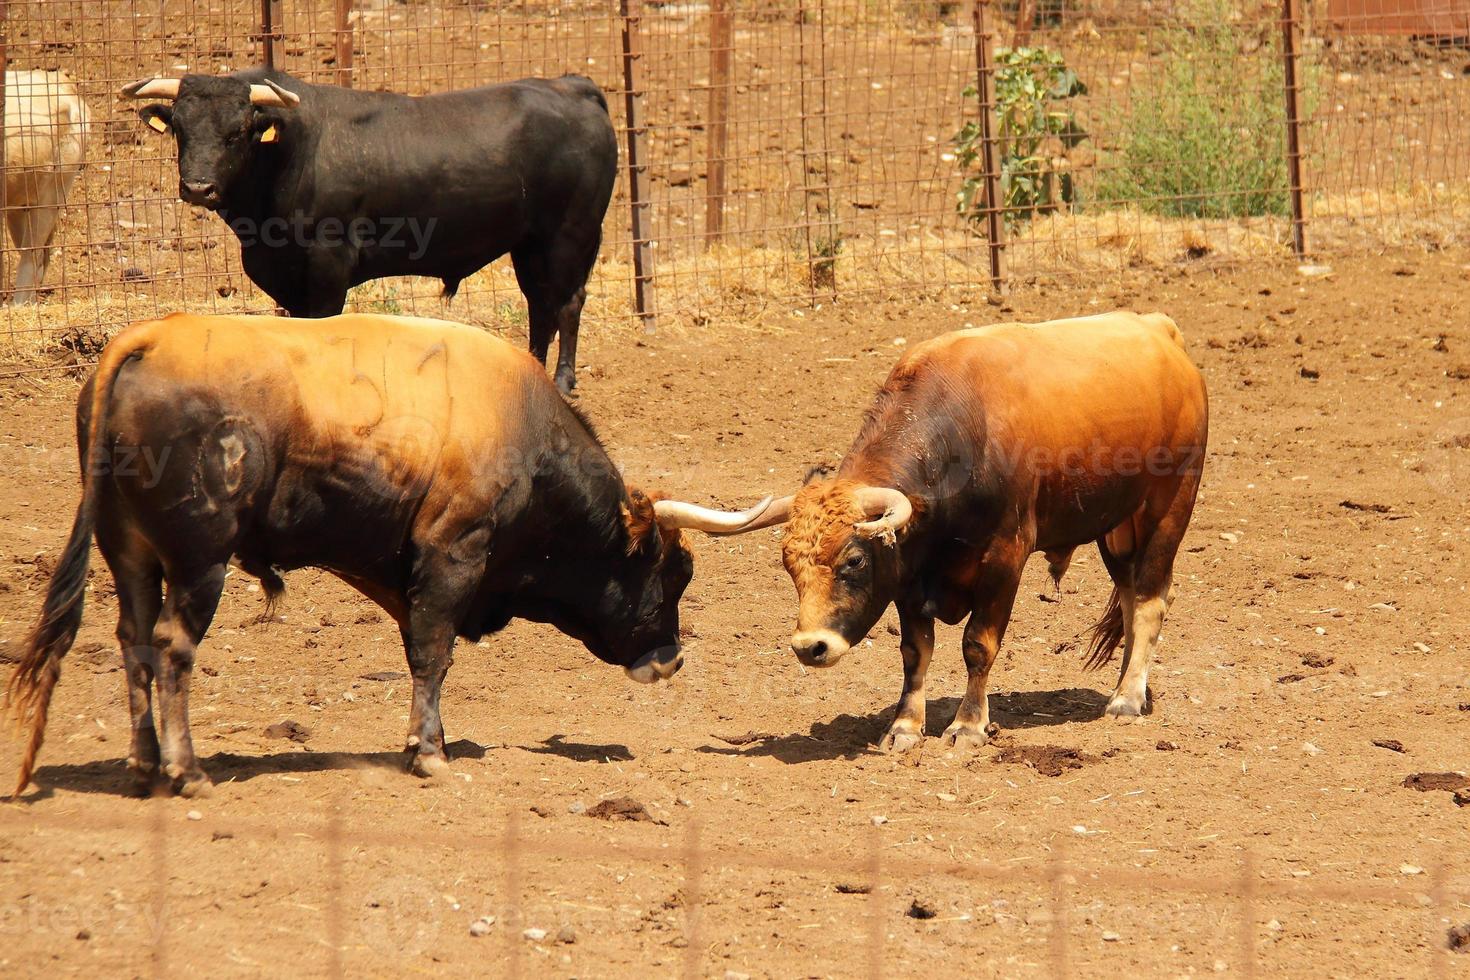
(428,766)
(1124,711)
(965,738)
(565,381)
(900,740)
(189,782)
(196,786)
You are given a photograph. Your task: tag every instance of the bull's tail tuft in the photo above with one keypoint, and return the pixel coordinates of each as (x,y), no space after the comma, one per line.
(1107,633)
(28,695)
(274,588)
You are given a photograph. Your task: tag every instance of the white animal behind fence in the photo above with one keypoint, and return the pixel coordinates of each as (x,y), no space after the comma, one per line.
(46,125)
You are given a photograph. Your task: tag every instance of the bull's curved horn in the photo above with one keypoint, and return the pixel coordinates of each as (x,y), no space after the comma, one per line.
(676,513)
(890,508)
(272,94)
(151,88)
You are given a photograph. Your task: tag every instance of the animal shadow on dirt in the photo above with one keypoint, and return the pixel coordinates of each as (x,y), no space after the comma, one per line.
(1036,709)
(581,751)
(849,736)
(111,776)
(844,737)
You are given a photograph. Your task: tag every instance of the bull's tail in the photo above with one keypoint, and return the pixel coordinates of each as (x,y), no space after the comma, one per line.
(1107,633)
(28,694)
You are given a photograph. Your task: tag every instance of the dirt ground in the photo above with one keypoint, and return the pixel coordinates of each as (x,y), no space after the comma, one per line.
(1251,824)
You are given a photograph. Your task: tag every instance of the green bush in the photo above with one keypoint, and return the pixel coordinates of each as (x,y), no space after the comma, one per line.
(1034,132)
(1204,136)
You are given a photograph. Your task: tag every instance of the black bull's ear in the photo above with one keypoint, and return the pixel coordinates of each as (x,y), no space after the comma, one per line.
(159,118)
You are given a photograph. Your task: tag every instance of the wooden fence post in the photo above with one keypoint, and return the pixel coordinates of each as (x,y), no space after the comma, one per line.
(344,43)
(637,165)
(984,84)
(1293,127)
(717,136)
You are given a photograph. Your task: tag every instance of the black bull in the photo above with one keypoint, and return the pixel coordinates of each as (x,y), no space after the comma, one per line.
(327,187)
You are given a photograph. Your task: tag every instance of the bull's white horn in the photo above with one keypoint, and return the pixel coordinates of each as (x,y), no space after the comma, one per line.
(891,508)
(151,88)
(676,513)
(272,94)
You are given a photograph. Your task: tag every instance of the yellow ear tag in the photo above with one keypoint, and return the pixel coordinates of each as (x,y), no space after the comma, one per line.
(157,125)
(270,135)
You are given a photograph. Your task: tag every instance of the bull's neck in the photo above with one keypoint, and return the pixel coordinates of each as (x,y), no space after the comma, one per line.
(583,496)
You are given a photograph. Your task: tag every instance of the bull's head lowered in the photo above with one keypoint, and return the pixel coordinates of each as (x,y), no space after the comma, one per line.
(841,551)
(218,124)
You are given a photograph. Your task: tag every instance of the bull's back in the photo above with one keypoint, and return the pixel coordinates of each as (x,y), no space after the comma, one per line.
(1117,379)
(430,388)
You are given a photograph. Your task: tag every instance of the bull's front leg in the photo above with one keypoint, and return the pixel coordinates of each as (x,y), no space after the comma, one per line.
(429,646)
(916,643)
(1000,578)
(443,580)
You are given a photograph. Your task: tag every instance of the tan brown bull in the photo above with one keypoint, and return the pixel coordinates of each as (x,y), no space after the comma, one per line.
(428,464)
(982,447)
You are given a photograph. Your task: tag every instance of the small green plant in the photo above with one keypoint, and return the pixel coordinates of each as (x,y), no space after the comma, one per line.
(1204,137)
(824,261)
(361,298)
(512,312)
(1035,130)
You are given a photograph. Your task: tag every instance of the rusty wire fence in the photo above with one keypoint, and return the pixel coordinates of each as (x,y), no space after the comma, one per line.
(796,152)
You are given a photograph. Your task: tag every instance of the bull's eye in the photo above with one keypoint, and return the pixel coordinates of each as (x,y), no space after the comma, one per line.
(854,563)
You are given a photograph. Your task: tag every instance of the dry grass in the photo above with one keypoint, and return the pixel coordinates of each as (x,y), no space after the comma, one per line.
(732,287)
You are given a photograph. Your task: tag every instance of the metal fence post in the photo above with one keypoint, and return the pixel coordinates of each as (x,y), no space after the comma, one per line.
(344,43)
(717,135)
(1293,126)
(270,16)
(1025,18)
(4,63)
(632,11)
(984,85)
(821,254)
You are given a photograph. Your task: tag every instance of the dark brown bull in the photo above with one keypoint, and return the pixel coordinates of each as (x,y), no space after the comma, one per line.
(427,464)
(982,447)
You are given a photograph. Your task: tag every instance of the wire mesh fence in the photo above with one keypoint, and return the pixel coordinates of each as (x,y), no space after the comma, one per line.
(399,917)
(790,152)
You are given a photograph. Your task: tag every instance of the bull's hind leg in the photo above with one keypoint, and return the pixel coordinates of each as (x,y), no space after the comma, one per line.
(532,274)
(139,581)
(568,323)
(554,278)
(1143,619)
(193,595)
(1157,532)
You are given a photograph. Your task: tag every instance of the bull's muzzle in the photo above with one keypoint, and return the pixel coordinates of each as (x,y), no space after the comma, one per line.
(199,192)
(657,665)
(819,648)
